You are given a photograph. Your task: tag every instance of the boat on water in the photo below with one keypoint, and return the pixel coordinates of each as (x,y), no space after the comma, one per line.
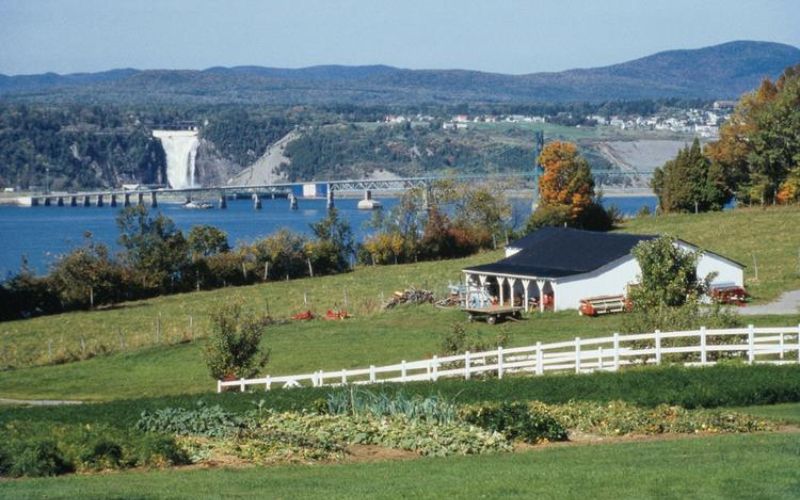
(197,205)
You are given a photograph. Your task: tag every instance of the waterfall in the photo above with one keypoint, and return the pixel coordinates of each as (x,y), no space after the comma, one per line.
(181,149)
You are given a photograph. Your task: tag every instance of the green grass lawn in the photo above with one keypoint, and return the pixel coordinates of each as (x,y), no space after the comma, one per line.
(134,360)
(730,466)
(408,333)
(785,412)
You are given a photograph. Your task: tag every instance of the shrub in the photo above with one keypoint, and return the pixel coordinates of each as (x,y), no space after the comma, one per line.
(39,458)
(457,340)
(546,216)
(596,218)
(103,453)
(39,449)
(233,348)
(515,420)
(154,450)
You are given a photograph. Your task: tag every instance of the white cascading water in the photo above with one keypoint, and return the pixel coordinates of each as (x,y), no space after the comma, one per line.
(181,149)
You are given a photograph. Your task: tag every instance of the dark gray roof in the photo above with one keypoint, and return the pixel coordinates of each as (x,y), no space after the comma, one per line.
(554,252)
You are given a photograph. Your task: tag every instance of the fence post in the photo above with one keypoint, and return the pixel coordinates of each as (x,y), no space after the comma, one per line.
(320,377)
(600,358)
(241,384)
(616,351)
(658,346)
(434,369)
(499,362)
(539,359)
(751,354)
(466,365)
(703,353)
(268,385)
(577,354)
(403,371)
(371,374)
(798,343)
(219,386)
(780,355)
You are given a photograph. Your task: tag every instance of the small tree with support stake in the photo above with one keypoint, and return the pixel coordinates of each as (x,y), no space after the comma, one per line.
(233,348)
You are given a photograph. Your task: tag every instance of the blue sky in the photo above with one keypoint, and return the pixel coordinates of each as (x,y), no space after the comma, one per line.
(505,36)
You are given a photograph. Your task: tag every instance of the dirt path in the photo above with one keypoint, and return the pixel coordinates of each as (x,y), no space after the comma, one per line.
(788,303)
(38,402)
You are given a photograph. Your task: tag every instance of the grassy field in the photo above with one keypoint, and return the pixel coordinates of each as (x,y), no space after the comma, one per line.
(552,130)
(787,412)
(408,333)
(733,466)
(145,348)
(768,239)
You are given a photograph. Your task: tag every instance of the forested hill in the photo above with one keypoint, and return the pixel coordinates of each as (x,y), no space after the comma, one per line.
(717,72)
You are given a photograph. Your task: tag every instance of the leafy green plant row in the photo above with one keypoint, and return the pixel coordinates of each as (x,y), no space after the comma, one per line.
(37,449)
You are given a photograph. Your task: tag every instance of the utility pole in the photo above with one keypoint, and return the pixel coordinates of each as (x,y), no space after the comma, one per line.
(537,167)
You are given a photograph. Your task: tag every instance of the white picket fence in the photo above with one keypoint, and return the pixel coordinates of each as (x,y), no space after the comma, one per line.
(775,345)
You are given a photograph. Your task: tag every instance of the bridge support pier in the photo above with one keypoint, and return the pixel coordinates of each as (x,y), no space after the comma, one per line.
(87,202)
(47,201)
(73,201)
(140,197)
(113,201)
(330,203)
(153,200)
(100,202)
(223,202)
(126,200)
(256,202)
(60,201)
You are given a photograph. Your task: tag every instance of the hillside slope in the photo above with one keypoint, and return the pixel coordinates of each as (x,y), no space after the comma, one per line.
(721,71)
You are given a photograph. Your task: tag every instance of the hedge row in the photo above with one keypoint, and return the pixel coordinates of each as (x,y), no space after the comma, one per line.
(709,387)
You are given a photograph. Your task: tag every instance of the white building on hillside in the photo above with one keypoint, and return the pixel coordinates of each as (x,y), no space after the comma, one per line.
(559,266)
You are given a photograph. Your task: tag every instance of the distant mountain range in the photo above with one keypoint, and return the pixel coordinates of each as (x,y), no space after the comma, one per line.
(719,72)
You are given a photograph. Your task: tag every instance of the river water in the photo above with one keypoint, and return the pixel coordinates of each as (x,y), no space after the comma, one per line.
(40,234)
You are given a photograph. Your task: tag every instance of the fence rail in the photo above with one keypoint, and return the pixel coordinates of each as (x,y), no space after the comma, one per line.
(775,345)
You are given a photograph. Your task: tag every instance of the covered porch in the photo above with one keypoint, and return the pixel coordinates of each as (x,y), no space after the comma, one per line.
(533,293)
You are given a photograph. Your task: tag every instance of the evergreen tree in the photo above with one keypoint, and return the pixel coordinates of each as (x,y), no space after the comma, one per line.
(690,182)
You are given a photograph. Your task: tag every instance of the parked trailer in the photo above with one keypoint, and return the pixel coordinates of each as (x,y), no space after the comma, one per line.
(605,304)
(493,314)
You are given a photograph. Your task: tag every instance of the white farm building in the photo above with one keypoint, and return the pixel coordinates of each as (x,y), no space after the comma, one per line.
(554,268)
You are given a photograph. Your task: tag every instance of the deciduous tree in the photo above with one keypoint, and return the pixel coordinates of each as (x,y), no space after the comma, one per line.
(567,179)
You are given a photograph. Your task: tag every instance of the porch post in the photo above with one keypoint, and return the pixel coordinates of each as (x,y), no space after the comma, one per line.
(511,283)
(540,284)
(482,279)
(525,284)
(500,282)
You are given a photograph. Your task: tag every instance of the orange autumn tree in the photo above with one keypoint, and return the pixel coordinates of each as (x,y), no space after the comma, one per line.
(567,182)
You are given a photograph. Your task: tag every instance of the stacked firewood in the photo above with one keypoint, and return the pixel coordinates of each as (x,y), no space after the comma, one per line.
(409,296)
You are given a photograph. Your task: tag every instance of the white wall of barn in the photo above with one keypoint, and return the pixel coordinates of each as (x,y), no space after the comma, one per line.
(611,279)
(728,272)
(614,278)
